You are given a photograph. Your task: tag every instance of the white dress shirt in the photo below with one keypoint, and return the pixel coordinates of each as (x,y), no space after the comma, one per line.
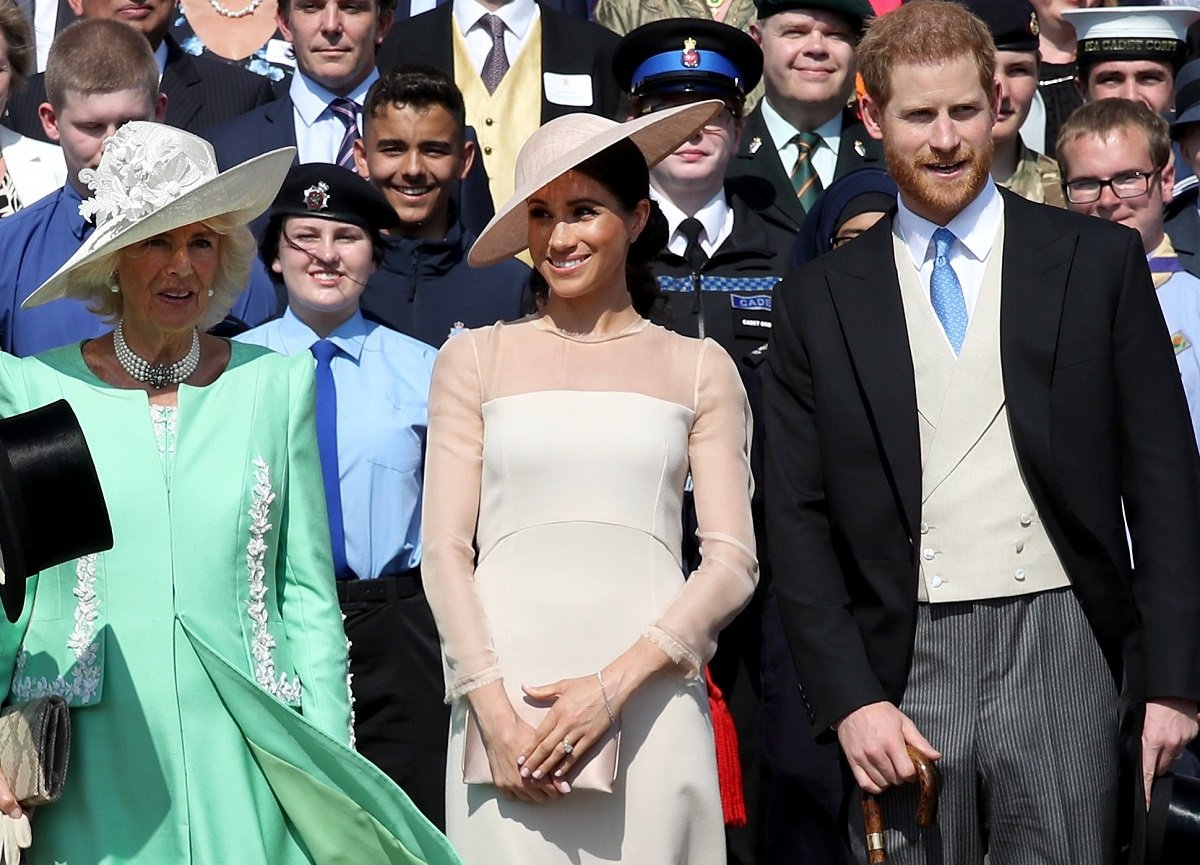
(716,216)
(974,229)
(319,131)
(518,17)
(823,158)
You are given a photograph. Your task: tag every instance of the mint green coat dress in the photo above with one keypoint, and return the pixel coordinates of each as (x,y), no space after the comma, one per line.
(203,657)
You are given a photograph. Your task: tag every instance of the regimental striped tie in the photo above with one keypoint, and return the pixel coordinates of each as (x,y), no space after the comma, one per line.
(805,181)
(496,62)
(346,110)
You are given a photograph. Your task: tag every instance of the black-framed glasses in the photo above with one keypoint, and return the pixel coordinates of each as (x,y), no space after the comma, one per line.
(1128,184)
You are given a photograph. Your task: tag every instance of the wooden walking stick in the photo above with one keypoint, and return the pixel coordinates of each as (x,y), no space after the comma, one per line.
(930,784)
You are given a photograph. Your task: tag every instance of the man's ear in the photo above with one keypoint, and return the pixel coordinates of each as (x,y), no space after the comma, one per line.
(160,108)
(1168,179)
(872,116)
(468,159)
(49,119)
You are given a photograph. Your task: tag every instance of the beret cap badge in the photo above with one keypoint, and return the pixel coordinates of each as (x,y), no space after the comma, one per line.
(690,56)
(316,197)
(1034,27)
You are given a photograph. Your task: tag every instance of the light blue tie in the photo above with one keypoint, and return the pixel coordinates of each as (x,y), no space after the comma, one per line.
(945,291)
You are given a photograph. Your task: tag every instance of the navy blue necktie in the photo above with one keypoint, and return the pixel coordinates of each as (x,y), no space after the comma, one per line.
(327,447)
(945,291)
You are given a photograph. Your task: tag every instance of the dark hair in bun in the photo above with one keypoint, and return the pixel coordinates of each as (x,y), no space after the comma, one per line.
(621,169)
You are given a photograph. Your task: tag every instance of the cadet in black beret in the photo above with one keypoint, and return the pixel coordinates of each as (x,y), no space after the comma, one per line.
(371,412)
(1015,166)
(326,191)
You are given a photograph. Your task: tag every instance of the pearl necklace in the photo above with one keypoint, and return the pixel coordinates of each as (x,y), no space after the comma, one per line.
(226,12)
(157,375)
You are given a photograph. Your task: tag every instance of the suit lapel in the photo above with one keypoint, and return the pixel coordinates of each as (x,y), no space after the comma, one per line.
(1037,264)
(757,157)
(282,130)
(855,148)
(865,292)
(181,82)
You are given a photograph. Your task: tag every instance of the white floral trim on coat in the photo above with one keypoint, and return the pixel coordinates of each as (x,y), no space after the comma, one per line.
(78,686)
(263,643)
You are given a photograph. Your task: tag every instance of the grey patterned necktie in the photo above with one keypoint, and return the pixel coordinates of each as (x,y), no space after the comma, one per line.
(496,63)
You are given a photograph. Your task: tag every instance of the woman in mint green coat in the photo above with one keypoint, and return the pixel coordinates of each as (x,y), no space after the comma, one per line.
(203,656)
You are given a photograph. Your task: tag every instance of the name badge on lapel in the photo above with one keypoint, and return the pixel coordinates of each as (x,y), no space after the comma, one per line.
(563,89)
(1180,341)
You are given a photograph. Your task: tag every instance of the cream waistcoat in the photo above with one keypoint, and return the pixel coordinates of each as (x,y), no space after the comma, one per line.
(981,536)
(503,120)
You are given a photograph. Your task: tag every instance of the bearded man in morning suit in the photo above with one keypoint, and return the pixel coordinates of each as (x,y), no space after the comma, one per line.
(966,408)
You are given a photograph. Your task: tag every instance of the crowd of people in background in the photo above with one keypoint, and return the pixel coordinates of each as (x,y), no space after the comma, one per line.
(611,430)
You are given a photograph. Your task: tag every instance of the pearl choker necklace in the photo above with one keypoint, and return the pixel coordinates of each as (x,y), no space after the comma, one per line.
(157,375)
(226,12)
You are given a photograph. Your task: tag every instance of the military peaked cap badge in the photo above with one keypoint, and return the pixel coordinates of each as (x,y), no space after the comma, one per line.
(316,197)
(690,56)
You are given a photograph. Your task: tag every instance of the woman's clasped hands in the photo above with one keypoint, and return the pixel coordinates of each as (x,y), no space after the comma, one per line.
(579,716)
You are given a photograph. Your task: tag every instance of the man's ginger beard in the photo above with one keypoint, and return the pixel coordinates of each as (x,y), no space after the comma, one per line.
(929,194)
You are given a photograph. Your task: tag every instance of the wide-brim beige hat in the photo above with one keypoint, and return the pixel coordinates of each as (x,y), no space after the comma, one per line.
(563,143)
(155,178)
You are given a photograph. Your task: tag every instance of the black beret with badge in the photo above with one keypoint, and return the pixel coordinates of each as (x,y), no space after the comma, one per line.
(855,11)
(687,55)
(1014,23)
(327,191)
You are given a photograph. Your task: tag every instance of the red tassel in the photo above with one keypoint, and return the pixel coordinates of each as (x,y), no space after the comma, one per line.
(729,761)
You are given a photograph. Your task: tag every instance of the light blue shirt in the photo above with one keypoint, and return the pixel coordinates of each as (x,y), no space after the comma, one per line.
(318,130)
(1179,298)
(382,379)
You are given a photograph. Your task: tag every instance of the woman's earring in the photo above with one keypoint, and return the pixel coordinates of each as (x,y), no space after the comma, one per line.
(113,284)
(210,292)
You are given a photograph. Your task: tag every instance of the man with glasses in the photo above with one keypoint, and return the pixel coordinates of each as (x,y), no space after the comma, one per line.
(1115,156)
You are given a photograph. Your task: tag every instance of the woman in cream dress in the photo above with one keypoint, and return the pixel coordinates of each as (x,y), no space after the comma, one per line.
(559,448)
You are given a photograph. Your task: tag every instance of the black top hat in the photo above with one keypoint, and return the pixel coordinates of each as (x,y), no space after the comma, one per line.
(1013,23)
(1173,824)
(687,55)
(51,506)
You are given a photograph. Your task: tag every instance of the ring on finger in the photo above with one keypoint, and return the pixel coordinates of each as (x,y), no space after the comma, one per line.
(567,747)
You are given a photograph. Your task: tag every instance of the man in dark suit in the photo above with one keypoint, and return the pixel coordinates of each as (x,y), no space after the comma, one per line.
(803,134)
(406,9)
(536,65)
(335,67)
(968,408)
(201,92)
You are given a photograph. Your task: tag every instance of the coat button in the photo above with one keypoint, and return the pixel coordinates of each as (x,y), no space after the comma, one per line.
(1020,547)
(924,528)
(927,554)
(487,150)
(936,582)
(1019,574)
(489,122)
(1026,520)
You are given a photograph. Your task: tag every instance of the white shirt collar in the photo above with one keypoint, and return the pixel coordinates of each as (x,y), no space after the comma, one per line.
(781,131)
(974,226)
(311,99)
(517,16)
(713,216)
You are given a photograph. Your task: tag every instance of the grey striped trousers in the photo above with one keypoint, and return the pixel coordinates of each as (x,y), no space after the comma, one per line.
(1015,694)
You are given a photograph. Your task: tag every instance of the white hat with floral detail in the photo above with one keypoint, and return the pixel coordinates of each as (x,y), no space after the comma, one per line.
(154,178)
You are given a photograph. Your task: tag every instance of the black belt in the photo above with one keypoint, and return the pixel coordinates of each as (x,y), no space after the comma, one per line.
(388,587)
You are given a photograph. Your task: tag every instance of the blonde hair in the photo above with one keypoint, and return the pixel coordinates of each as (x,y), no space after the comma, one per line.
(92,282)
(100,56)
(925,33)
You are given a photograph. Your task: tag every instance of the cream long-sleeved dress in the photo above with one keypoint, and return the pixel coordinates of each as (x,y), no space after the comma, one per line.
(555,471)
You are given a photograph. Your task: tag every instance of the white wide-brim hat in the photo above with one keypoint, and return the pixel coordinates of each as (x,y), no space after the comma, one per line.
(154,178)
(565,142)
